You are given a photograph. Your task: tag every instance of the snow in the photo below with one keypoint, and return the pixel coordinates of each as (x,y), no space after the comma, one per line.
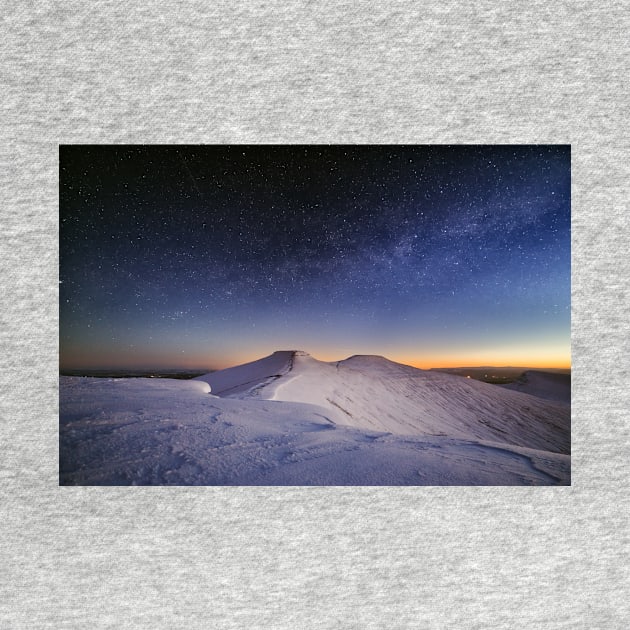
(289,419)
(244,378)
(368,392)
(548,385)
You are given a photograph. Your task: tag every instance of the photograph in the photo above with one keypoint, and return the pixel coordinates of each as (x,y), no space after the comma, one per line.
(315,315)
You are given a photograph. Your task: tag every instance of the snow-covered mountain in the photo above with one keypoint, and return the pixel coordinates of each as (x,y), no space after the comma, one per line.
(373,393)
(289,419)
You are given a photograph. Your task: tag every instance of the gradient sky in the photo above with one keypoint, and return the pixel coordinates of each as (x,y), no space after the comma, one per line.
(209,256)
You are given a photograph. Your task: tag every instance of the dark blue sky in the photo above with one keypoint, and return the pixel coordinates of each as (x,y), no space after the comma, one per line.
(189,256)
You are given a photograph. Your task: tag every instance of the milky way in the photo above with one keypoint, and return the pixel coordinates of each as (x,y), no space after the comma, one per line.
(205,256)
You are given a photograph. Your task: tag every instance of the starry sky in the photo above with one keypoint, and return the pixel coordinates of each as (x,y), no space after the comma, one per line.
(208,256)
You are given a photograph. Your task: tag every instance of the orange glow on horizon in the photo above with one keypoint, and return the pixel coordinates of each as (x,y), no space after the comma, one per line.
(553,358)
(495,359)
(451,363)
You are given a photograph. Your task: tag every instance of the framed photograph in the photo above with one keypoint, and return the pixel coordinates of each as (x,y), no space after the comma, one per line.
(315,315)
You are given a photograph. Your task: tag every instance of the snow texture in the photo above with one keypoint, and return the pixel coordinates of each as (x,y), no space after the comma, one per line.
(289,419)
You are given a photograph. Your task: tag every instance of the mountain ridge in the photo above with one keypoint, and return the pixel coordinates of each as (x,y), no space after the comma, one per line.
(374,393)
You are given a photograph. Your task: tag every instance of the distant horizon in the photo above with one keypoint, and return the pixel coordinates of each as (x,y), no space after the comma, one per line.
(423,365)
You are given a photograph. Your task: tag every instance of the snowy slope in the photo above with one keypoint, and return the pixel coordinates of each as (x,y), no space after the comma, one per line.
(548,385)
(371,392)
(247,378)
(289,419)
(172,432)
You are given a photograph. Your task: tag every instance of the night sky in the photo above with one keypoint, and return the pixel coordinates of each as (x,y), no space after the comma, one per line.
(209,256)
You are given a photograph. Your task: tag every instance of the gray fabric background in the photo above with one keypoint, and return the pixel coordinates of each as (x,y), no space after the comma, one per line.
(314,72)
